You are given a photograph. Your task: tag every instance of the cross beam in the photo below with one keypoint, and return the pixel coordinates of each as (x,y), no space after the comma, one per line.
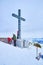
(19,22)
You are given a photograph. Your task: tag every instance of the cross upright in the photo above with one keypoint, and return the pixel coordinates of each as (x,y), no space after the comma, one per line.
(19,22)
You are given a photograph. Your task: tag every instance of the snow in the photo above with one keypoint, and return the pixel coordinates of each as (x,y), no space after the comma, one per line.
(10,55)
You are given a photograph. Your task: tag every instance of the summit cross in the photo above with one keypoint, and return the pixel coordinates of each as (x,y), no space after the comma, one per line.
(19,22)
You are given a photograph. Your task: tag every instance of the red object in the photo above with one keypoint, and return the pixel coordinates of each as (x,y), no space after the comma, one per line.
(9,39)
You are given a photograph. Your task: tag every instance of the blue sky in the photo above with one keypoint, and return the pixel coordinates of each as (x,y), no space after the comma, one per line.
(31,10)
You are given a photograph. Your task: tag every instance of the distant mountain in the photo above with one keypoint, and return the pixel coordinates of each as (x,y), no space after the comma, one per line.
(39,40)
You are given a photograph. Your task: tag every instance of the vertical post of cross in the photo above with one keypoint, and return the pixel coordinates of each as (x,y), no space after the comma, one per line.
(19,23)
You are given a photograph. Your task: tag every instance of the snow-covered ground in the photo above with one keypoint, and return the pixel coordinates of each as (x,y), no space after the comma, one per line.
(10,55)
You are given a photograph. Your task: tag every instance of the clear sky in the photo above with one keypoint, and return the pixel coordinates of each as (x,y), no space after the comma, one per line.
(31,10)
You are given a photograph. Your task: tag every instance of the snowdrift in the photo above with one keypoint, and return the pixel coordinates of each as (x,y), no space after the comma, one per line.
(10,55)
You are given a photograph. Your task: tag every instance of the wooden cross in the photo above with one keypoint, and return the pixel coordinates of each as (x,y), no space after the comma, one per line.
(19,22)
